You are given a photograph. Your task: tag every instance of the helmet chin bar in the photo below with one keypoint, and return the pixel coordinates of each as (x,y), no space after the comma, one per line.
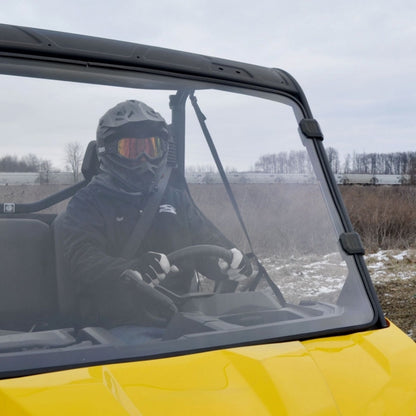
(140,176)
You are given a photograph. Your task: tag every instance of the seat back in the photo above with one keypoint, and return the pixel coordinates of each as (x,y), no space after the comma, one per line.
(67,298)
(28,294)
(90,163)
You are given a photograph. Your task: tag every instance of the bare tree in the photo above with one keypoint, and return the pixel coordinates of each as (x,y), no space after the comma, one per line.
(333,159)
(412,170)
(73,158)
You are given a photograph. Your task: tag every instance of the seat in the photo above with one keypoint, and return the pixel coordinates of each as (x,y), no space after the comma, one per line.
(28,292)
(67,300)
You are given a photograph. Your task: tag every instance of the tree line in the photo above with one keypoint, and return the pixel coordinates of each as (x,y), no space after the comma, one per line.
(395,163)
(28,163)
(73,155)
(292,162)
(295,161)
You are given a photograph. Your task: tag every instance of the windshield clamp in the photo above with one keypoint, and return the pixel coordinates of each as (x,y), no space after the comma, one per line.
(311,129)
(351,243)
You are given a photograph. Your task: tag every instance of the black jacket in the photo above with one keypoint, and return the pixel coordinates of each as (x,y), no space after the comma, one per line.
(97,225)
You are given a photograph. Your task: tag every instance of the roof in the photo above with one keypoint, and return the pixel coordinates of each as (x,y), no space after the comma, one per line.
(43,44)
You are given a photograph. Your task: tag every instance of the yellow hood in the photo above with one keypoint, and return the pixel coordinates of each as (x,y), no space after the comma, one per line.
(369,373)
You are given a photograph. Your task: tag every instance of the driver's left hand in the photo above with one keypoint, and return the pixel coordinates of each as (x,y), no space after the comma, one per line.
(240,268)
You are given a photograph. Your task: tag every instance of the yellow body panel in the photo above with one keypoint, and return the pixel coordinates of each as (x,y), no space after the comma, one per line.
(367,373)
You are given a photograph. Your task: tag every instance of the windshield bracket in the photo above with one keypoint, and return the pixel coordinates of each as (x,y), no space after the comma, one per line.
(311,129)
(351,243)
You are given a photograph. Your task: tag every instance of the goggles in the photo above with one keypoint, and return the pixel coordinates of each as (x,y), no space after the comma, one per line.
(134,148)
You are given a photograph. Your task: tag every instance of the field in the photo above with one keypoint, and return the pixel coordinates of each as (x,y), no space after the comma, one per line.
(385,217)
(394,276)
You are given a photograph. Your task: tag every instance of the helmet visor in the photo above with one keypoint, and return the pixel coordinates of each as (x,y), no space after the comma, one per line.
(134,148)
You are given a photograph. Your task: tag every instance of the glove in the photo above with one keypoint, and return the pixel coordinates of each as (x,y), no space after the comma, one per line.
(152,268)
(240,268)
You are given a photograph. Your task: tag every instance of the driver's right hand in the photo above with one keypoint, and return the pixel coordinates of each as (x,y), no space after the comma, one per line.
(151,268)
(240,267)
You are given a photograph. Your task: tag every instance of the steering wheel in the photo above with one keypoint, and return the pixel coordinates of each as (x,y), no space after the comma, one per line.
(208,250)
(163,303)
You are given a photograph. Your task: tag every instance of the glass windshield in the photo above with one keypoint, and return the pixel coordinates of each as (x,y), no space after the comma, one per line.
(149,256)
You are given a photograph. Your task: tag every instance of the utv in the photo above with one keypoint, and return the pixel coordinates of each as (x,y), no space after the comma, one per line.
(304,336)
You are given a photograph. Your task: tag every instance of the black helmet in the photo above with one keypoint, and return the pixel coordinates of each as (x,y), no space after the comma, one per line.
(132,143)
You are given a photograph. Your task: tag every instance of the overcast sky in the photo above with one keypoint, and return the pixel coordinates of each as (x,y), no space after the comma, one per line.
(355,60)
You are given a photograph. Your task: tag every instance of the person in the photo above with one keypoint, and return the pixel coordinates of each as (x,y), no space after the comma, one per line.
(132,147)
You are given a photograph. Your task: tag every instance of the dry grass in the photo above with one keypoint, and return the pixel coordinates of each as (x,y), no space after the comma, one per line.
(385,217)
(280,218)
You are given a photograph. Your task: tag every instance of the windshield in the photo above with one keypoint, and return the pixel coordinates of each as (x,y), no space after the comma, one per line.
(151,257)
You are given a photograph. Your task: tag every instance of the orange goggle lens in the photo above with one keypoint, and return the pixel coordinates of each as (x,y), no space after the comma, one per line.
(133,148)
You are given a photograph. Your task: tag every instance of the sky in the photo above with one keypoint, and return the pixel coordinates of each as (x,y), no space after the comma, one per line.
(355,60)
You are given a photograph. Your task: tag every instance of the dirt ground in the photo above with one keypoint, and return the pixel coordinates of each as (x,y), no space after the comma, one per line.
(394,276)
(398,300)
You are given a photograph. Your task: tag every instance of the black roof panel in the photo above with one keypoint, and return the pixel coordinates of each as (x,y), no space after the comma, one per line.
(52,44)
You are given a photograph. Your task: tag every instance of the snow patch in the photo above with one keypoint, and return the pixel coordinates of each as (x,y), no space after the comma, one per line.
(323,276)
